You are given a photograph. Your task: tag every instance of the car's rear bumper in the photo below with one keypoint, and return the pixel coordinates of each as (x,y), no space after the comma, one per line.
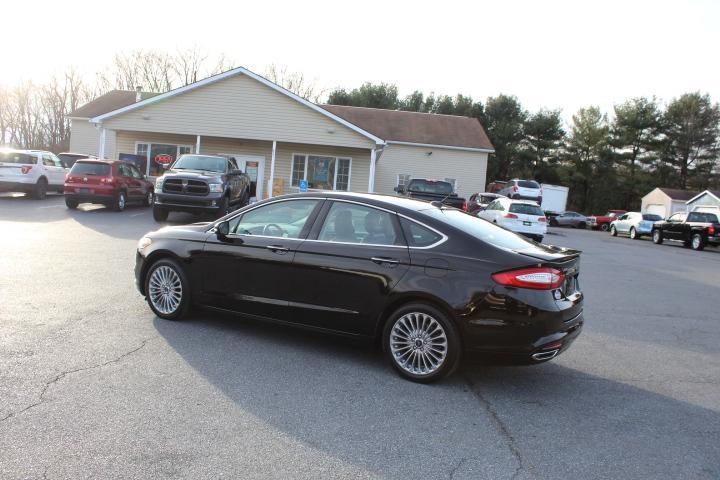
(88,198)
(13,186)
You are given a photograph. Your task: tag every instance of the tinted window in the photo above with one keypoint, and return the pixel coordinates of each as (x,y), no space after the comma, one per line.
(651,217)
(429,186)
(702,217)
(352,223)
(201,162)
(678,217)
(280,219)
(417,235)
(17,157)
(528,184)
(481,229)
(135,172)
(527,209)
(86,168)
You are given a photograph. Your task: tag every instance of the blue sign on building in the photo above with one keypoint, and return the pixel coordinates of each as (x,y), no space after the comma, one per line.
(303,186)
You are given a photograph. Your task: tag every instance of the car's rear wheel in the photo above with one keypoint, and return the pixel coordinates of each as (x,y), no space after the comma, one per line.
(71,203)
(657,237)
(39,192)
(166,290)
(120,202)
(421,343)
(633,233)
(160,214)
(697,242)
(613,231)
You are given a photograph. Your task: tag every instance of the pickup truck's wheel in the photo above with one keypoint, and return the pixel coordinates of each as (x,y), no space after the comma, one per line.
(697,242)
(633,233)
(657,237)
(120,202)
(160,214)
(39,192)
(167,290)
(613,231)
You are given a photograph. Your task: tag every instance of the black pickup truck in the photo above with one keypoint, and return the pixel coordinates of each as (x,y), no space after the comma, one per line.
(695,229)
(201,184)
(432,191)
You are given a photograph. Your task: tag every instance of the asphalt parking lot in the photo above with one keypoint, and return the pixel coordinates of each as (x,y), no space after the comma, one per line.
(92,385)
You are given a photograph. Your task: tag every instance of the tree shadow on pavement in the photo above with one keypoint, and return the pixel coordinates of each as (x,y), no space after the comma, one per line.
(549,421)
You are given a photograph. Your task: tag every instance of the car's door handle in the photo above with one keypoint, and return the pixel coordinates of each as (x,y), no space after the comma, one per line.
(385,261)
(277,249)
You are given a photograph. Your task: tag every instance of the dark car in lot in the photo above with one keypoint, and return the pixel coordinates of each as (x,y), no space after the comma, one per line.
(695,229)
(113,183)
(432,191)
(201,184)
(479,202)
(431,283)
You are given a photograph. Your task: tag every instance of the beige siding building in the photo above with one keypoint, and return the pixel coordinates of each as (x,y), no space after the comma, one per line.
(283,140)
(666,201)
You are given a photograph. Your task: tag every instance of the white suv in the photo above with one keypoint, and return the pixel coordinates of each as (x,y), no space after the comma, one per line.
(31,171)
(523,189)
(520,216)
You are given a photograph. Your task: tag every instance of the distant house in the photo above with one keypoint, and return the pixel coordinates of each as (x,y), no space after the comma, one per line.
(709,200)
(666,201)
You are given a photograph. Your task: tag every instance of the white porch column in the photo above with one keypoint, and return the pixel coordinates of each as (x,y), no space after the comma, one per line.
(197,145)
(272,170)
(371,179)
(101,147)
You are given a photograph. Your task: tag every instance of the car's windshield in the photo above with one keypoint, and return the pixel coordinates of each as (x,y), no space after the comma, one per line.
(651,217)
(528,184)
(90,168)
(429,186)
(702,217)
(526,209)
(201,162)
(481,229)
(17,157)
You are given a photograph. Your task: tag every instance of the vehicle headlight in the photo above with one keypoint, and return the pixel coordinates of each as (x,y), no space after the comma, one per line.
(216,187)
(159,183)
(144,243)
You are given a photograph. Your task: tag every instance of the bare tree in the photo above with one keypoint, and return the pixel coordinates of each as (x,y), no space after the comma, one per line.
(295,82)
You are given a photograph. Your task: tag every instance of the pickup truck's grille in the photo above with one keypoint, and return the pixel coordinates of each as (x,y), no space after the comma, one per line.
(187,187)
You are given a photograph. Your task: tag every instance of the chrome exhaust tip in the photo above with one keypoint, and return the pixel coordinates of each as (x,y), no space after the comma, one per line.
(540,356)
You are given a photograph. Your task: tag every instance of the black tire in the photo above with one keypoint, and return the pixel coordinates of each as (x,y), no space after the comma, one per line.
(604,227)
(71,203)
(553,222)
(160,214)
(184,304)
(613,231)
(120,201)
(582,225)
(539,238)
(697,242)
(657,237)
(633,234)
(149,198)
(39,191)
(452,353)
(224,207)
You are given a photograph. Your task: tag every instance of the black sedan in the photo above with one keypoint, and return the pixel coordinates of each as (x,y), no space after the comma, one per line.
(432,283)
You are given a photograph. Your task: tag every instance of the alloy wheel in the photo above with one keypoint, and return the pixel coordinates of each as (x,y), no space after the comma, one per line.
(418,343)
(696,242)
(165,289)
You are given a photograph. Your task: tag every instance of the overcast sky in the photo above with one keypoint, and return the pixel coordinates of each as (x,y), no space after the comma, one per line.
(556,54)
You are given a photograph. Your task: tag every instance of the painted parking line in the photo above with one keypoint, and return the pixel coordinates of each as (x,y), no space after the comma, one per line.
(52,206)
(137,214)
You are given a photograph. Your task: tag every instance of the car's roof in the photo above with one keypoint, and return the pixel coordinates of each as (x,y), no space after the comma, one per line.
(378,199)
(528,202)
(84,155)
(102,160)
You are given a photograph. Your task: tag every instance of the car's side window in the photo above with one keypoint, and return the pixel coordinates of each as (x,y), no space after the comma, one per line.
(47,160)
(418,235)
(124,170)
(284,219)
(353,223)
(135,172)
(624,217)
(674,218)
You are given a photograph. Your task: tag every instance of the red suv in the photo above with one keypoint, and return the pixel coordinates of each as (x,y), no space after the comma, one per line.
(114,183)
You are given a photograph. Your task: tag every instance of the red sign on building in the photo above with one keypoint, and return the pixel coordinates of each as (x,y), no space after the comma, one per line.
(164,159)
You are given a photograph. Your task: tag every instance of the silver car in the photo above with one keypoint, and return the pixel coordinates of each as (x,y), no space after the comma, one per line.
(569,219)
(634,224)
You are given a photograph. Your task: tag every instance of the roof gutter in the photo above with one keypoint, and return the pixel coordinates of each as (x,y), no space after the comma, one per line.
(447,147)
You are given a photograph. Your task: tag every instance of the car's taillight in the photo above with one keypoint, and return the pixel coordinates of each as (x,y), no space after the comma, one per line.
(25,169)
(510,215)
(711,230)
(108,180)
(67,177)
(542,219)
(540,278)
(465,207)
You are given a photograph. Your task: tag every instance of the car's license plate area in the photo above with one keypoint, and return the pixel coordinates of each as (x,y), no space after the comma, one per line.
(527,224)
(84,190)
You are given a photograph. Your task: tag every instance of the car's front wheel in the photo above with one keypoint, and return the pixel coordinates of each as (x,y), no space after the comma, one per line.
(120,202)
(613,231)
(167,290)
(604,227)
(421,343)
(657,237)
(149,198)
(697,242)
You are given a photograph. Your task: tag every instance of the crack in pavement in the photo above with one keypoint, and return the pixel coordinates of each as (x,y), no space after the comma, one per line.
(500,426)
(60,376)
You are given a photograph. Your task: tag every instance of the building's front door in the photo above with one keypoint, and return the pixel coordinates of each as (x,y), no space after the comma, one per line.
(254,166)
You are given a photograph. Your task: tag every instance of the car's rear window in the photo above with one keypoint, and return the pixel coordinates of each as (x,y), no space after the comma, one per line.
(17,157)
(702,217)
(90,168)
(528,184)
(430,186)
(651,217)
(481,229)
(526,209)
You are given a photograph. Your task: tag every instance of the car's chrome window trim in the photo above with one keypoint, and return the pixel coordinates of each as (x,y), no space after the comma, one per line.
(243,212)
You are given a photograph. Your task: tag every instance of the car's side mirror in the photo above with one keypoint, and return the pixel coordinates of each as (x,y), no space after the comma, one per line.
(222,229)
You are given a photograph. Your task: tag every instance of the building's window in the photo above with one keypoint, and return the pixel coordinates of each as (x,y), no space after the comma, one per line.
(452,182)
(403,179)
(158,155)
(321,172)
